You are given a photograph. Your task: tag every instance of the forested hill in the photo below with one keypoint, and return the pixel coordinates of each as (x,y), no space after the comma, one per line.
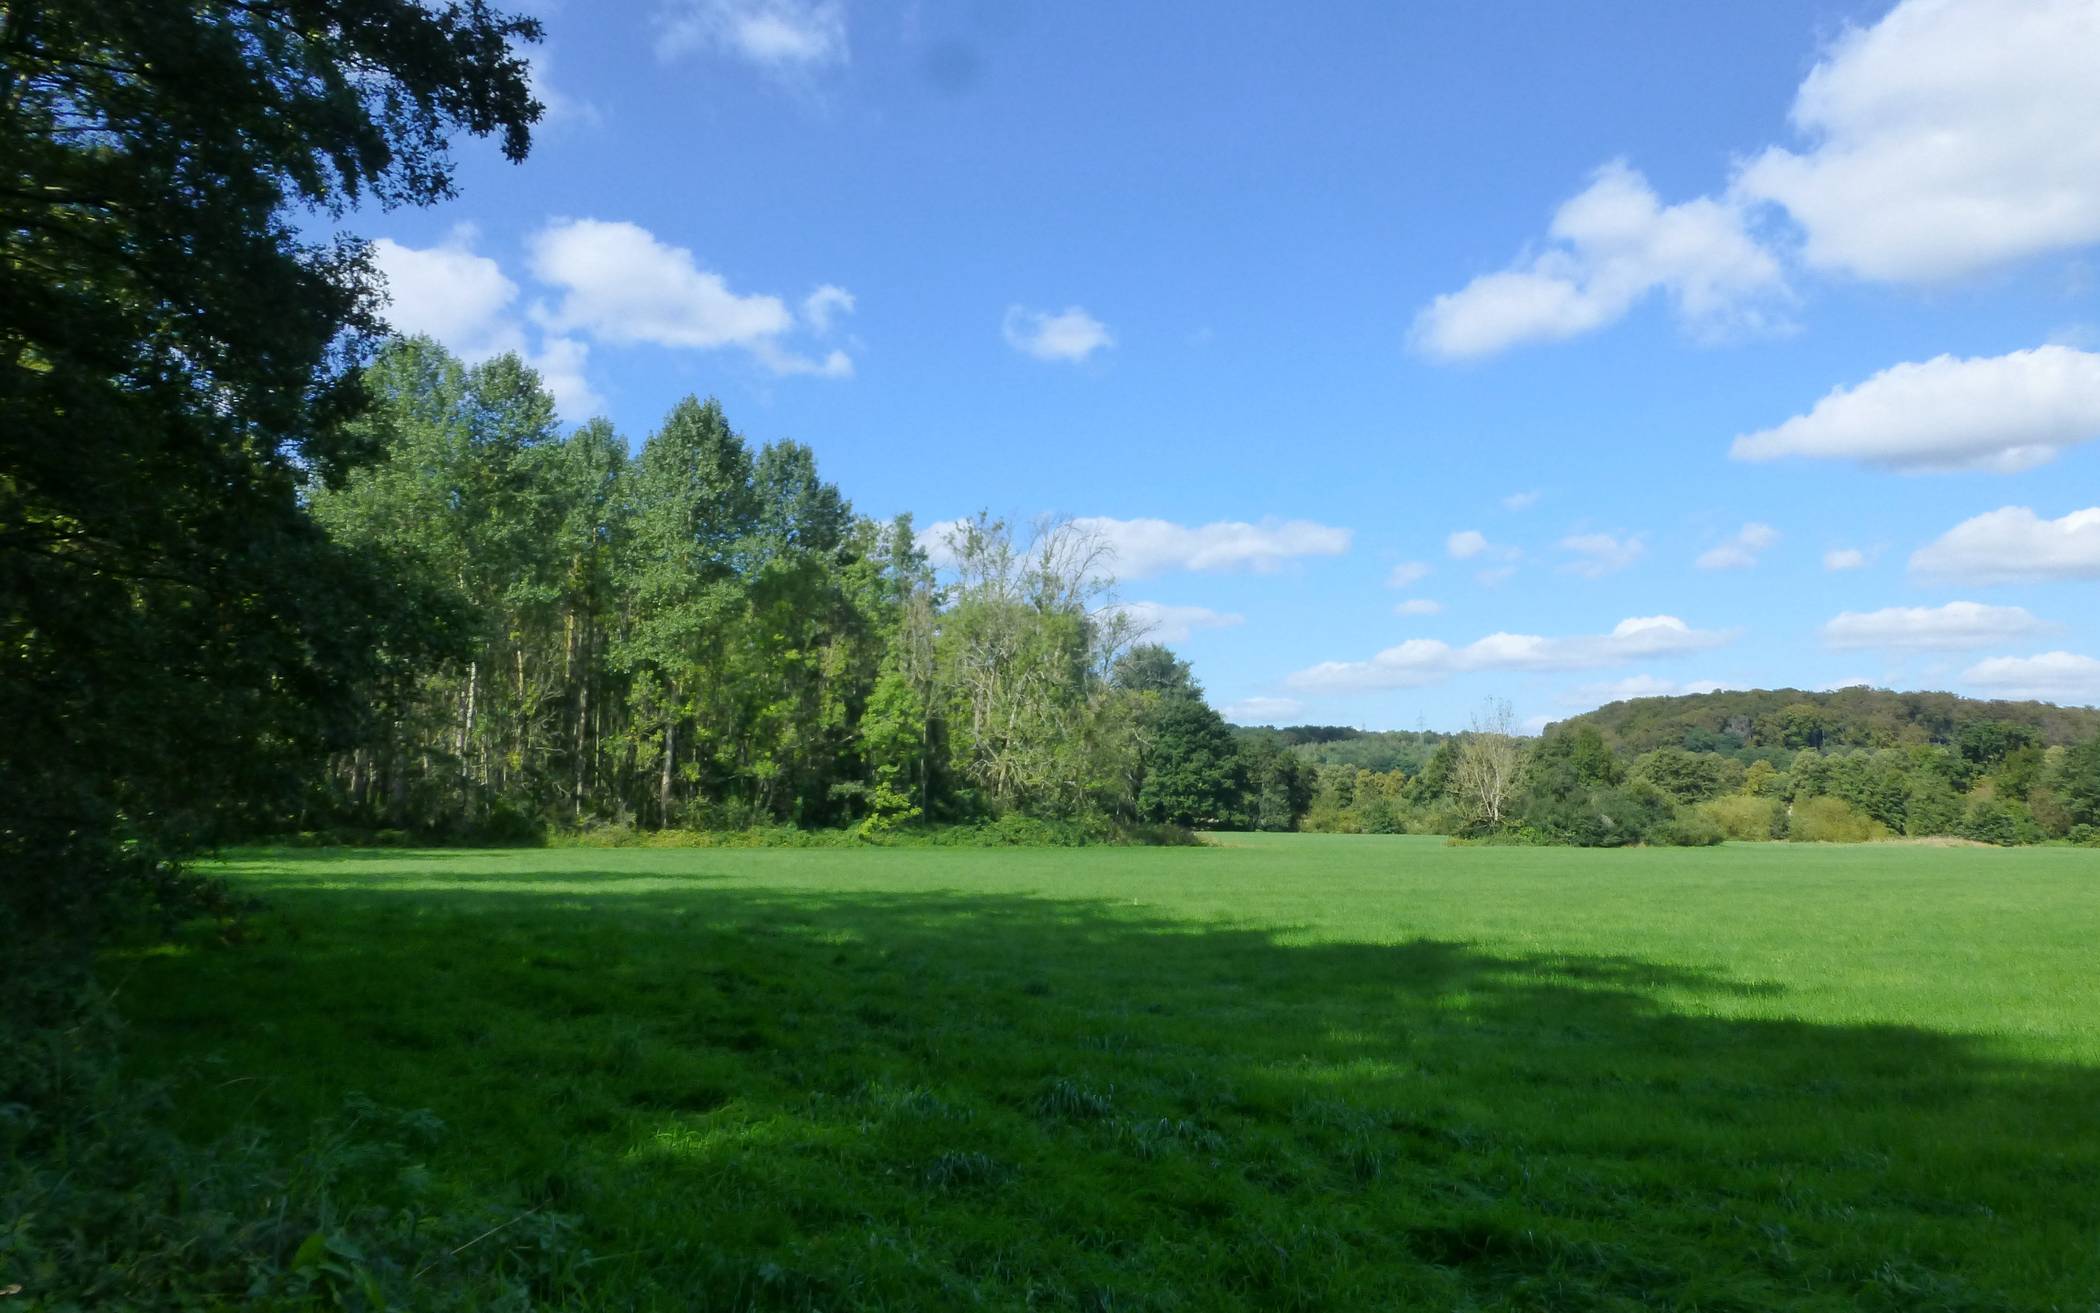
(1858,717)
(1340,745)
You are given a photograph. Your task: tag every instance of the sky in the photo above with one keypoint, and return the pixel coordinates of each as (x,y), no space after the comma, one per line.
(1411,357)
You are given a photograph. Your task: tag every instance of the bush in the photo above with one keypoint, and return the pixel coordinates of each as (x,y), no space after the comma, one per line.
(1740,816)
(1688,829)
(1829,820)
(1989,821)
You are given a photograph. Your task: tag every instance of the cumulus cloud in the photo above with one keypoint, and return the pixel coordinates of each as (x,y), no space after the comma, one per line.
(1072,334)
(618,285)
(1159,622)
(1845,558)
(1406,573)
(1951,136)
(1741,551)
(1421,661)
(1598,554)
(450,293)
(2052,676)
(1955,625)
(2004,413)
(1609,246)
(622,285)
(782,37)
(1261,710)
(560,362)
(465,301)
(1521,501)
(2012,544)
(1419,606)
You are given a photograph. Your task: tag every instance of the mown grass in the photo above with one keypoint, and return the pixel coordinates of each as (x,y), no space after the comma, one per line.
(1313,1072)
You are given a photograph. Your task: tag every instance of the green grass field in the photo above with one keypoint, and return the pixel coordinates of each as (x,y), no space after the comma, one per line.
(1316,1072)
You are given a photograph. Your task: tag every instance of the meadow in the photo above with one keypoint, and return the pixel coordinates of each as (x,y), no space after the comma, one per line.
(1289,1071)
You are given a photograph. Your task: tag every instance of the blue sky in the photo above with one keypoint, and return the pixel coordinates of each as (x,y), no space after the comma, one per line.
(1410,355)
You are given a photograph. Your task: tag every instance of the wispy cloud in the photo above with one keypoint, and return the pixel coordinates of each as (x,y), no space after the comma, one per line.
(1071,334)
(1741,551)
(1422,661)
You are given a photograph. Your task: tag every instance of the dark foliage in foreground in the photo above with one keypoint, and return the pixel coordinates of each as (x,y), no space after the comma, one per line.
(176,361)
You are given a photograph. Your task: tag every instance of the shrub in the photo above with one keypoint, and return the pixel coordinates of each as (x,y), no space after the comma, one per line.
(1989,821)
(1829,820)
(1687,829)
(1740,816)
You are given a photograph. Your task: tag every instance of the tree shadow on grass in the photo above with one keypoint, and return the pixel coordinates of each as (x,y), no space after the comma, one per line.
(760,1099)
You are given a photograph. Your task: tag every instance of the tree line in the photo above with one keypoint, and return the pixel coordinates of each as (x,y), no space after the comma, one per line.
(704,634)
(701,634)
(1972,775)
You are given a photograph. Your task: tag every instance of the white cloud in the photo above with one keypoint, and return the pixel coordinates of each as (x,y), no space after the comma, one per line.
(783,37)
(1609,246)
(1141,548)
(622,285)
(1955,625)
(2004,413)
(1148,547)
(1494,575)
(464,301)
(1600,554)
(450,293)
(1419,606)
(1845,558)
(1071,335)
(2013,544)
(1950,137)
(560,362)
(1261,711)
(618,284)
(1741,551)
(1636,686)
(1473,545)
(1420,661)
(1159,622)
(2054,676)
(832,364)
(1406,573)
(1521,501)
(821,308)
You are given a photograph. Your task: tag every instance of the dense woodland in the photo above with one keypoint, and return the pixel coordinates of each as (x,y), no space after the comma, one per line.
(1850,765)
(705,635)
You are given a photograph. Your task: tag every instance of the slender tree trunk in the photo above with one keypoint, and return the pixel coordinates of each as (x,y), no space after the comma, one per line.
(466,731)
(583,729)
(663,788)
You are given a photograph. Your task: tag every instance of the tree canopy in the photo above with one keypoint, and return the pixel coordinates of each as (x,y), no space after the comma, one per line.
(179,357)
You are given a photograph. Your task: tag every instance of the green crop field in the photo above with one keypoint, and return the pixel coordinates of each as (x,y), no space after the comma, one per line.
(1280,1072)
